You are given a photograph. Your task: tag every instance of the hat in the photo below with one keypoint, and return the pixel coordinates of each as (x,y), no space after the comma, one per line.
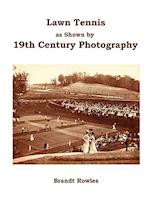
(87,131)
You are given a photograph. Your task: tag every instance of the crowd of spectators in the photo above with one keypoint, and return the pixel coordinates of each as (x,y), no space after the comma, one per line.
(129,139)
(103,108)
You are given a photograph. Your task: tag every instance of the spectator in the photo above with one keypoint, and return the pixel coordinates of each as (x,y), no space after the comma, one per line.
(102,108)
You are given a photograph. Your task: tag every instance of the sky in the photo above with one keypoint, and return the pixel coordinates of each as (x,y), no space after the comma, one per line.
(44,73)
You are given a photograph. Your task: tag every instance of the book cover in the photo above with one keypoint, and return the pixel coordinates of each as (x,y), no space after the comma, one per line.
(74,99)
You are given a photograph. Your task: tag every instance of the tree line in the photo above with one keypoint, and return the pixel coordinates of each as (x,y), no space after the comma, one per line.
(115,81)
(20,81)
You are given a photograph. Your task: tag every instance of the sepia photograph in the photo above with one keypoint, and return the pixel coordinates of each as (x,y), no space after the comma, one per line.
(76,114)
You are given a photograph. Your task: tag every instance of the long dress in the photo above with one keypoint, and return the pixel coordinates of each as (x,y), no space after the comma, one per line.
(31,137)
(92,144)
(85,146)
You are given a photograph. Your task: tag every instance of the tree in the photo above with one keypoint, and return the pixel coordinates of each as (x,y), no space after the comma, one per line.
(20,80)
(68,80)
(61,79)
(75,78)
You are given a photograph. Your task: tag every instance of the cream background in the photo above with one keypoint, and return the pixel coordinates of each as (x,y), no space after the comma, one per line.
(25,20)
